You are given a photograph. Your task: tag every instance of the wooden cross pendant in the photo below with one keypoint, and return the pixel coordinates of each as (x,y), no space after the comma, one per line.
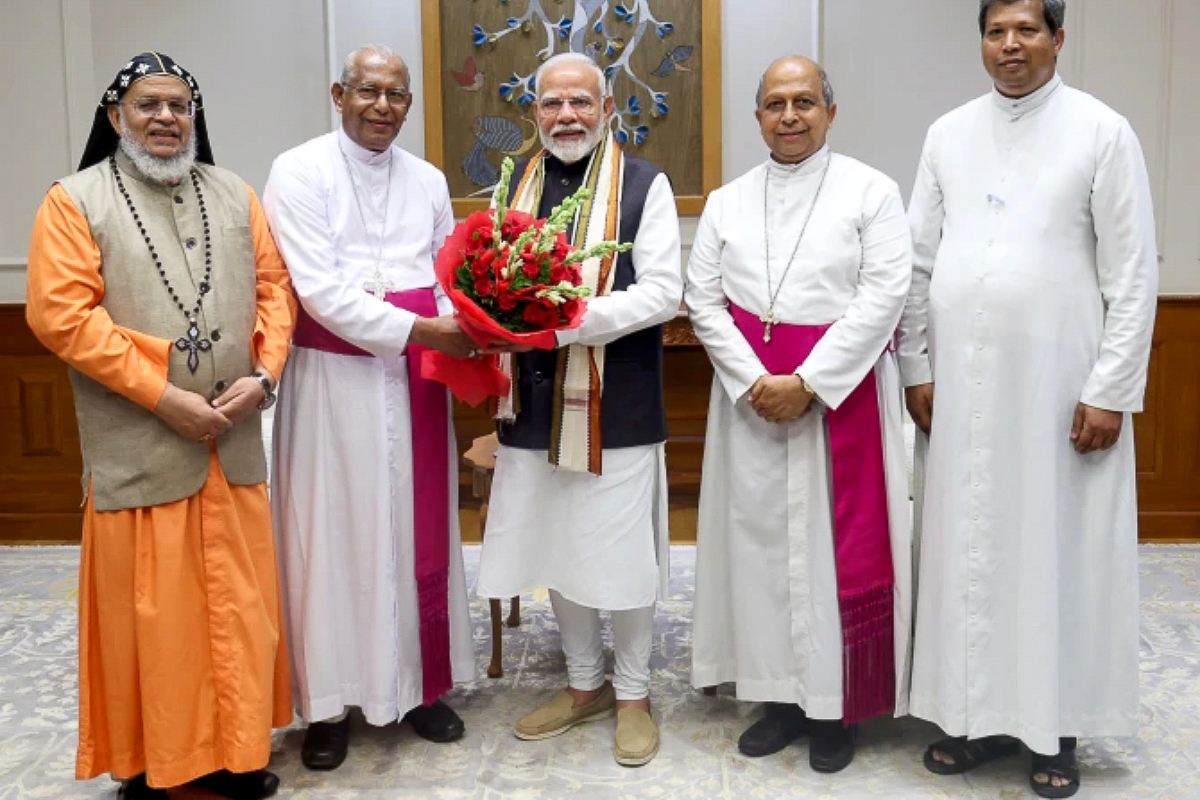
(193,344)
(768,320)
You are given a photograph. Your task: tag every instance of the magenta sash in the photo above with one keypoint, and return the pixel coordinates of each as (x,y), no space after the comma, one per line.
(862,548)
(430,419)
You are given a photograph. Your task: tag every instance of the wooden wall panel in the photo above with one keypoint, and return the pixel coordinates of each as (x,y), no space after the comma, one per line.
(1168,432)
(40,465)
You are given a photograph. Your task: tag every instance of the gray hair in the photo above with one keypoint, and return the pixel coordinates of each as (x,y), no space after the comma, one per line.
(1054,12)
(826,88)
(349,66)
(570,58)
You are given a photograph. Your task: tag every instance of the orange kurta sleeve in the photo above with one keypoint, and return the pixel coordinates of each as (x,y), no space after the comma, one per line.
(62,307)
(276,303)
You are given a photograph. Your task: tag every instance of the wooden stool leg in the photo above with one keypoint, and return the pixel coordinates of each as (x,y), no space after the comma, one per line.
(514,612)
(495,670)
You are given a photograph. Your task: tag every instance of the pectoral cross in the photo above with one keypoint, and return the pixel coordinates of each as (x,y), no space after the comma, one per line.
(768,320)
(193,344)
(378,285)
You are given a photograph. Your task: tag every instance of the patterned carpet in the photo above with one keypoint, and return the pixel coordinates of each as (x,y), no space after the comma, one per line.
(698,759)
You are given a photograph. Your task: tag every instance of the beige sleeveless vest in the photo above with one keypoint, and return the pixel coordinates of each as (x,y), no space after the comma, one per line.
(131,458)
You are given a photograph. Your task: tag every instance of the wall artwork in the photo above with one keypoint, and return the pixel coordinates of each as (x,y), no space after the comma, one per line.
(662,58)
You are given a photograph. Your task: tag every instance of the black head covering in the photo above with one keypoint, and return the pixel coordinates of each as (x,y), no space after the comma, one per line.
(103,140)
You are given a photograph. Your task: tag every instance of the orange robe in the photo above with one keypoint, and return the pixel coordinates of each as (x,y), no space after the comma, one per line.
(183,667)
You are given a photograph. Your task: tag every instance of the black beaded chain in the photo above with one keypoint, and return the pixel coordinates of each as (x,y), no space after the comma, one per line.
(193,343)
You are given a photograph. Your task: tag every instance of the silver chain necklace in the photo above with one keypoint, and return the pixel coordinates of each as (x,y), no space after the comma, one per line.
(378,283)
(768,318)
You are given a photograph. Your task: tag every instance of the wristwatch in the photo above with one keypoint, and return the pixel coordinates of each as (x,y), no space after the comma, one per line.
(268,391)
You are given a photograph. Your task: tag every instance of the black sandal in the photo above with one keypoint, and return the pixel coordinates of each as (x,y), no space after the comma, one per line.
(1059,766)
(969,753)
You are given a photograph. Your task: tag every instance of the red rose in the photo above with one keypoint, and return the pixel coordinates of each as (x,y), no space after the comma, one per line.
(530,269)
(561,248)
(558,273)
(570,309)
(512,227)
(484,287)
(533,315)
(574,275)
(507,301)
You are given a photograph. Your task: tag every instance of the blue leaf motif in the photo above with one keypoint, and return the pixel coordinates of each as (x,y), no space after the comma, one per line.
(599,26)
(525,99)
(665,29)
(512,22)
(609,70)
(633,105)
(478,35)
(506,91)
(640,133)
(661,108)
(624,14)
(622,136)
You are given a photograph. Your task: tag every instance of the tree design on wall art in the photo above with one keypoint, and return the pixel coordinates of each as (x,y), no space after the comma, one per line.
(661,58)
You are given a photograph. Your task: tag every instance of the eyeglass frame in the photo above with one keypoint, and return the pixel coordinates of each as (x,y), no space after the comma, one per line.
(590,103)
(159,102)
(376,92)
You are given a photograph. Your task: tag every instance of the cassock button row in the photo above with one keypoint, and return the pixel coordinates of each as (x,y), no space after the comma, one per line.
(566,181)
(537,377)
(219,386)
(178,199)
(215,335)
(191,242)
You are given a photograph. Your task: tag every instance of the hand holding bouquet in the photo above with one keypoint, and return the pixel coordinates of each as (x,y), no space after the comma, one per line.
(512,278)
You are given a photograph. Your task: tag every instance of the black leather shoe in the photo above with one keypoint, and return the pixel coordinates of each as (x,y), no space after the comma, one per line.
(240,785)
(136,788)
(831,748)
(780,725)
(325,744)
(436,722)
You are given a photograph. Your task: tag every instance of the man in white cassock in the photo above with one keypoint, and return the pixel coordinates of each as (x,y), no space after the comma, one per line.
(364,492)
(1031,312)
(578,505)
(794,286)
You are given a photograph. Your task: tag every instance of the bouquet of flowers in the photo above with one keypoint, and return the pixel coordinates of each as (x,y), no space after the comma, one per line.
(512,278)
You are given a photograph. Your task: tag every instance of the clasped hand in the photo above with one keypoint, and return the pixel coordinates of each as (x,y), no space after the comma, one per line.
(780,398)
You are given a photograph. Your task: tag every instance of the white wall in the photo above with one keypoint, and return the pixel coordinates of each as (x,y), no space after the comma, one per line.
(898,66)
(265,67)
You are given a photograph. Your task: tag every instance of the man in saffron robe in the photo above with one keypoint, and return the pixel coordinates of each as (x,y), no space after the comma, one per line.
(153,274)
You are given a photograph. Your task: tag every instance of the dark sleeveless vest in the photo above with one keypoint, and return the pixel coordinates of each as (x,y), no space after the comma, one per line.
(632,411)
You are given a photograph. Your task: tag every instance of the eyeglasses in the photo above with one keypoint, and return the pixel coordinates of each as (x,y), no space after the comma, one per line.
(150,107)
(397,98)
(582,104)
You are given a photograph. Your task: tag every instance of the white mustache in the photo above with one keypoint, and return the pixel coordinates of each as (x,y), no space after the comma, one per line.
(568,129)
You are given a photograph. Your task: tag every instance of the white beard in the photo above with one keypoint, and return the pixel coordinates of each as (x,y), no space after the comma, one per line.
(160,170)
(570,152)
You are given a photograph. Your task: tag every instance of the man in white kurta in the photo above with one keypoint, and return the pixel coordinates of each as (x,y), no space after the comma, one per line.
(767,604)
(595,536)
(352,212)
(1031,312)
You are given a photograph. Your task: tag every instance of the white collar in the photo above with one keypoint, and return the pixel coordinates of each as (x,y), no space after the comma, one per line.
(809,166)
(361,154)
(1017,107)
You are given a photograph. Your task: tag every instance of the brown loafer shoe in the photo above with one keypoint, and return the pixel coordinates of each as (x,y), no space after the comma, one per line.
(561,714)
(637,737)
